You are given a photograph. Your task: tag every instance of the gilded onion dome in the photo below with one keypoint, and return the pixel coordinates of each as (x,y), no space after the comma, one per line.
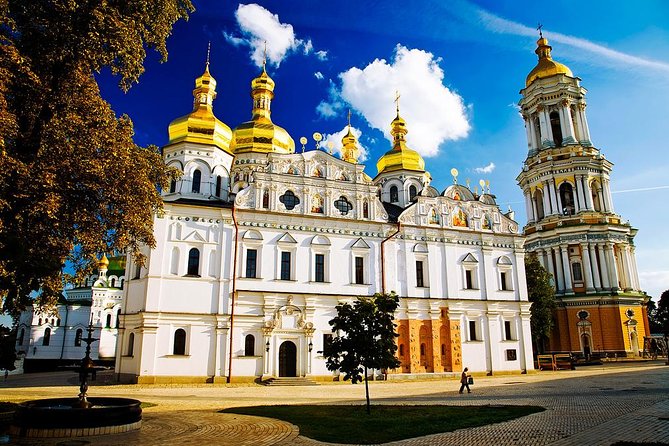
(103,263)
(349,150)
(400,157)
(546,66)
(200,125)
(260,134)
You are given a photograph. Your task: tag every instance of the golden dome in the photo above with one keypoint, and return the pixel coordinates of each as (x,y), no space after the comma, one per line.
(200,125)
(104,262)
(547,66)
(400,157)
(260,134)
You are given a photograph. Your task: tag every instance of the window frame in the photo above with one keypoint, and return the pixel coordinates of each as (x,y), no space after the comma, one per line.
(319,267)
(190,267)
(285,259)
(176,346)
(254,265)
(249,345)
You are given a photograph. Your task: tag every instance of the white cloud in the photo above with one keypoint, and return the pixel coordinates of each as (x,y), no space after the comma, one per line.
(654,282)
(318,75)
(322,55)
(434,113)
(257,26)
(486,169)
(503,26)
(336,138)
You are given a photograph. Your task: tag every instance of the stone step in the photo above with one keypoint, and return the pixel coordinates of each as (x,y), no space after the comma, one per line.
(289,381)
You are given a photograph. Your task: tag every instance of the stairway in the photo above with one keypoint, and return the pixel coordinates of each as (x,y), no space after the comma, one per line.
(290,381)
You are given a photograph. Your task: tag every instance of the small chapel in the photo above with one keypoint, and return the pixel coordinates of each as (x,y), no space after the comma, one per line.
(258,242)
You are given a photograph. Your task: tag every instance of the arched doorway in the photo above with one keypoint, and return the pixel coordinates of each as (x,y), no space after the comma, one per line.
(585,340)
(287,359)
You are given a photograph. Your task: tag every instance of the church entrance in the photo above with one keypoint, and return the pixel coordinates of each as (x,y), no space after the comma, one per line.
(287,359)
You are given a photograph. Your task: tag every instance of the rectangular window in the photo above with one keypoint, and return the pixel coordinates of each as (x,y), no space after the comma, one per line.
(503,280)
(251,259)
(327,342)
(359,270)
(468,280)
(419,273)
(472,331)
(320,268)
(285,265)
(507,331)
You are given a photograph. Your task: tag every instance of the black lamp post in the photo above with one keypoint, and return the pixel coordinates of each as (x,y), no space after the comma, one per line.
(87,367)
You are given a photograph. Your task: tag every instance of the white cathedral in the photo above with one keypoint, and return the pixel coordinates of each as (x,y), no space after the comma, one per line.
(257,244)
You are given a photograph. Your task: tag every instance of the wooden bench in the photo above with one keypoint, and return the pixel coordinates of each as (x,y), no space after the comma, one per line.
(546,362)
(563,361)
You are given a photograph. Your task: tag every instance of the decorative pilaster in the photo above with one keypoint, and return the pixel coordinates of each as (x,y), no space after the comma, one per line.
(567,270)
(587,268)
(558,268)
(613,268)
(551,268)
(567,124)
(603,263)
(595,267)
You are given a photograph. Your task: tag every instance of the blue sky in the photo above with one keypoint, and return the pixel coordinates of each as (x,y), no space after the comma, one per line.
(458,66)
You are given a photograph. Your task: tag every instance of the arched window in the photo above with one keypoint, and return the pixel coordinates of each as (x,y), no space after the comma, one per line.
(108,321)
(412,192)
(365,210)
(131,344)
(179,342)
(118,318)
(19,341)
(577,272)
(173,186)
(77,337)
(197,178)
(265,199)
(394,196)
(250,345)
(47,337)
(555,127)
(219,182)
(539,203)
(567,198)
(193,262)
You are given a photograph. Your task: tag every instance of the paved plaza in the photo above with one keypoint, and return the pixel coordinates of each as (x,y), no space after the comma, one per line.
(596,405)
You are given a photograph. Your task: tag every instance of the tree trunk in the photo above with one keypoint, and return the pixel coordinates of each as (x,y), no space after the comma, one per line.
(367,392)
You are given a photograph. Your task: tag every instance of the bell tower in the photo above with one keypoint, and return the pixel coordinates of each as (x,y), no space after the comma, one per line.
(572,226)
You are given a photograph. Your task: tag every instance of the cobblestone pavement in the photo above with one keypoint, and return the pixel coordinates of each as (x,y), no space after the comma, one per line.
(588,406)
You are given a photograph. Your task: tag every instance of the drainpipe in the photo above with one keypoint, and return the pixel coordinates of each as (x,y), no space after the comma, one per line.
(234,291)
(383,262)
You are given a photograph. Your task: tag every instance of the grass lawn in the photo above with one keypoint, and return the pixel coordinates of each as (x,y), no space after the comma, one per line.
(351,424)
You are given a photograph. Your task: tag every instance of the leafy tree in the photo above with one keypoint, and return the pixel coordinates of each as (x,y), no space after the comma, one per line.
(542,295)
(365,338)
(73,182)
(653,323)
(662,313)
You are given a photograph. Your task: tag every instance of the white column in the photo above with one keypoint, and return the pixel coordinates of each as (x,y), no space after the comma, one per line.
(587,268)
(595,267)
(588,193)
(550,267)
(603,263)
(533,133)
(528,132)
(534,207)
(540,257)
(580,190)
(555,209)
(559,200)
(563,125)
(635,271)
(549,129)
(567,270)
(544,128)
(607,192)
(569,124)
(613,268)
(584,121)
(558,270)
(546,195)
(604,202)
(579,123)
(625,257)
(528,207)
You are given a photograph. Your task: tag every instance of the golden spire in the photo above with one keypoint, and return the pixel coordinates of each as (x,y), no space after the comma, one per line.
(546,66)
(201,126)
(104,262)
(349,151)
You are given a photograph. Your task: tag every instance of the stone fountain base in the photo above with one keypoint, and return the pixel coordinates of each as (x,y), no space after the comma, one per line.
(62,417)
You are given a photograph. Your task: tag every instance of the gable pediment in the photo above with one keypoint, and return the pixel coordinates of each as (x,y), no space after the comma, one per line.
(286,238)
(360,244)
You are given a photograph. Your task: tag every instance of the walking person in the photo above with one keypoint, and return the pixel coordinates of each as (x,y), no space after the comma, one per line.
(464,381)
